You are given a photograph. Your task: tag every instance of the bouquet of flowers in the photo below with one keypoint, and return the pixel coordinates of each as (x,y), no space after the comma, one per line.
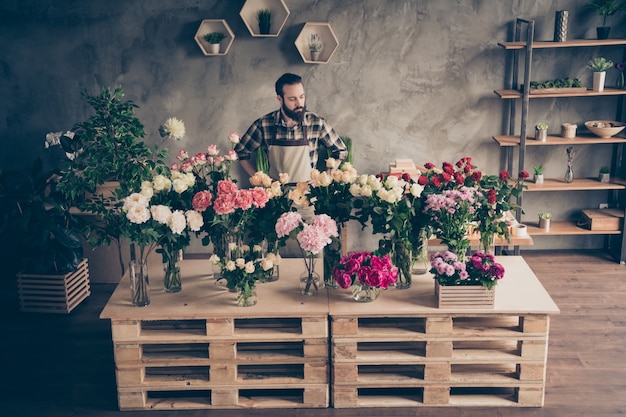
(495,196)
(450,176)
(366,268)
(392,204)
(161,215)
(312,238)
(480,269)
(451,213)
(242,268)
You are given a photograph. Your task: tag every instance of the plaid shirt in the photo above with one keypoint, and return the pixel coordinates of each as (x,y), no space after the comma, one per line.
(272,126)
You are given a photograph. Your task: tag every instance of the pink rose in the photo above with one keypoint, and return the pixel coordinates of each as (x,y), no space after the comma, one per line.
(212,150)
(182,155)
(175,167)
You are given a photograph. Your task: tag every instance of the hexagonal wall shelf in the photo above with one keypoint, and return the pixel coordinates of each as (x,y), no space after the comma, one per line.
(208,26)
(326,36)
(279,10)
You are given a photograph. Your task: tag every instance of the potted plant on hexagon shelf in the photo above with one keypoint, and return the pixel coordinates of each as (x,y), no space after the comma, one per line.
(605,8)
(214,39)
(264,17)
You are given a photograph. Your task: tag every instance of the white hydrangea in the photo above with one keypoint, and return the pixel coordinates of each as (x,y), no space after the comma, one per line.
(134,200)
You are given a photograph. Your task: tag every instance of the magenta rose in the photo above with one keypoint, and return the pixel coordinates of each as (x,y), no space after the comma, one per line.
(343,279)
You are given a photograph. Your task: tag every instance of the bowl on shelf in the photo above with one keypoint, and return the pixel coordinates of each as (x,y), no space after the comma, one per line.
(604,128)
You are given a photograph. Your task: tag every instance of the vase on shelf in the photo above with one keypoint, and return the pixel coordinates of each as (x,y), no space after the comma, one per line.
(402,259)
(310,281)
(620,84)
(172,277)
(246,296)
(364,293)
(569,173)
(139,284)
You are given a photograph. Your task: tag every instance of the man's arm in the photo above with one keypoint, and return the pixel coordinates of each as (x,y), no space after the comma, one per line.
(247,165)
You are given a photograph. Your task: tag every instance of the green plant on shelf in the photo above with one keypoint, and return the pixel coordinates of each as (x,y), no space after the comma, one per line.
(545,215)
(605,8)
(599,64)
(538,169)
(541,126)
(605,170)
(214,37)
(557,83)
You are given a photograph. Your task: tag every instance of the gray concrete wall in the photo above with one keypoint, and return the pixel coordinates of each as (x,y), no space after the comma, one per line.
(410,79)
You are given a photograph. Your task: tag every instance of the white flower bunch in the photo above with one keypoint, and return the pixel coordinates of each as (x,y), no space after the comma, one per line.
(173,128)
(138,211)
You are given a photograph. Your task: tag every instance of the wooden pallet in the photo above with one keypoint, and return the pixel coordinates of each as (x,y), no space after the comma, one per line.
(53,293)
(402,350)
(445,361)
(197,349)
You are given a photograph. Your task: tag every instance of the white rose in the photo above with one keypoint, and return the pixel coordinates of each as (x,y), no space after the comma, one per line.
(161,183)
(249,267)
(355,189)
(240,262)
(416,190)
(283,177)
(180,185)
(391,181)
(230,265)
(177,222)
(146,189)
(267,264)
(234,138)
(161,214)
(194,220)
(332,163)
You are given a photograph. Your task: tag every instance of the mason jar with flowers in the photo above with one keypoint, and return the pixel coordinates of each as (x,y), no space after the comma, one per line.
(243,271)
(366,273)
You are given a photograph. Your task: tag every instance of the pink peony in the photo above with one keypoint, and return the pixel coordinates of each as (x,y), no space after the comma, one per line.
(202,200)
(312,239)
(259,197)
(243,199)
(224,205)
(226,187)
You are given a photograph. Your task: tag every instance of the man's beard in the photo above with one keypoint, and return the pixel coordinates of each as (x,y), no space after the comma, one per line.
(296,114)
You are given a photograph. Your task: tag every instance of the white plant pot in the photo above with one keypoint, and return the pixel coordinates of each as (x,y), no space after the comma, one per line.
(598,81)
(602,177)
(538,178)
(214,48)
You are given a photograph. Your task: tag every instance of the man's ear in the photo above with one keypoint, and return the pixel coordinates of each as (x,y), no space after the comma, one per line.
(280,99)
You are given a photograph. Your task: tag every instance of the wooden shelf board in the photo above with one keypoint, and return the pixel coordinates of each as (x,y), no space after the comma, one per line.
(562,228)
(504,140)
(579,184)
(515,94)
(566,44)
(475,241)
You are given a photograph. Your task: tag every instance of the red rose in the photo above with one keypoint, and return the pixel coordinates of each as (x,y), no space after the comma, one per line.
(459,178)
(523,174)
(436,181)
(504,175)
(429,165)
(406,177)
(422,180)
(491,196)
(476,176)
(448,167)
(446,177)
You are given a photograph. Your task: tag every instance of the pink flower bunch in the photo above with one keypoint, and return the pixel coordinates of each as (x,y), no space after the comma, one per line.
(369,268)
(230,198)
(483,269)
(312,237)
(447,268)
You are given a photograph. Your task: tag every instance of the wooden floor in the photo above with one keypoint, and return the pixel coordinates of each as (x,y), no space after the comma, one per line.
(60,366)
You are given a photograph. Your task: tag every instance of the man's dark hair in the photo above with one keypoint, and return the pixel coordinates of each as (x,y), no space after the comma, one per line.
(286,79)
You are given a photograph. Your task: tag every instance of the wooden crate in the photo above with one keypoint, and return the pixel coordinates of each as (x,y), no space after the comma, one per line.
(196,349)
(464,296)
(602,219)
(405,351)
(53,293)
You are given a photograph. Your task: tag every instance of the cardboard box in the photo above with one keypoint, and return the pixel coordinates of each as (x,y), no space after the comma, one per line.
(602,219)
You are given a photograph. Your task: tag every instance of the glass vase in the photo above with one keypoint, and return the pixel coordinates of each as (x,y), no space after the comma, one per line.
(569,173)
(487,244)
(246,297)
(310,281)
(139,284)
(172,277)
(332,256)
(267,249)
(402,259)
(364,293)
(227,247)
(620,80)
(421,263)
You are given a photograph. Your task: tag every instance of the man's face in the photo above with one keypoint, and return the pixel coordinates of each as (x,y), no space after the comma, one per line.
(292,101)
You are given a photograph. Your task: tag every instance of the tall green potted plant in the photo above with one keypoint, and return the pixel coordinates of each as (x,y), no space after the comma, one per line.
(109,149)
(264,17)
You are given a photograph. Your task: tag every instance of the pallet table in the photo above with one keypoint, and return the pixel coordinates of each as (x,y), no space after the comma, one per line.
(197,349)
(403,351)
